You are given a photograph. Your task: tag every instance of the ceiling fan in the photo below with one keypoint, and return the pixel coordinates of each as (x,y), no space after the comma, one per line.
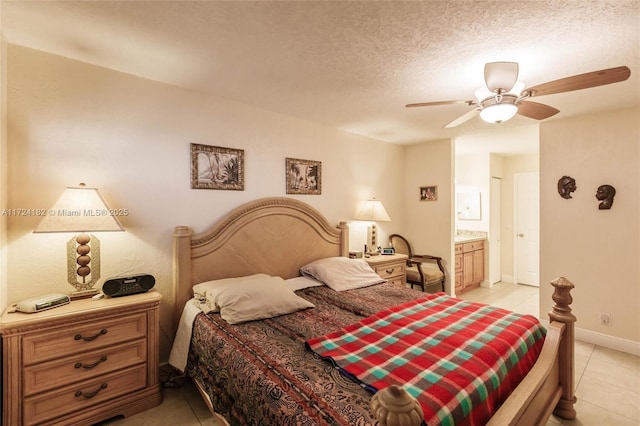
(504,96)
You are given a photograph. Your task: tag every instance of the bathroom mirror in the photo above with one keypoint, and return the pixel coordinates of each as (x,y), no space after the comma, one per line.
(468,205)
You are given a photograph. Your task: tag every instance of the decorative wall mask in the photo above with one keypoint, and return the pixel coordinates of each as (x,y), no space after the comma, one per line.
(566,185)
(605,195)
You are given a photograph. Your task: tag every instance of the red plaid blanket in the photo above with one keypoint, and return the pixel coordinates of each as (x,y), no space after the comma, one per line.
(460,359)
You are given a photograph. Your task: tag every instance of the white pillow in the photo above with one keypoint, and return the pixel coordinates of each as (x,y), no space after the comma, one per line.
(253,299)
(300,283)
(342,273)
(199,290)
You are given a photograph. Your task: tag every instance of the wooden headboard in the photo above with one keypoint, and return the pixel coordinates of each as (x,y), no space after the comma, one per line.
(275,236)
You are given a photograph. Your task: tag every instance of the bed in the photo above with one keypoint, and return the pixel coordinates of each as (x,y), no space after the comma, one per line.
(262,372)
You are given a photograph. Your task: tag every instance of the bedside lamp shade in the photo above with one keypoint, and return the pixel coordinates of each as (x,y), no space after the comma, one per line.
(81,209)
(373,211)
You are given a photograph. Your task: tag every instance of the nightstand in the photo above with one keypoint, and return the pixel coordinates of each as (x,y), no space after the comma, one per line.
(81,363)
(391,267)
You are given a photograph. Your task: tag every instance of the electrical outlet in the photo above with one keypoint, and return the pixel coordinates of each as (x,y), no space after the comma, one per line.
(605,318)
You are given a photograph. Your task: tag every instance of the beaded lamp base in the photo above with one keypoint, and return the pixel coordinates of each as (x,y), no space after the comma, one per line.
(83,265)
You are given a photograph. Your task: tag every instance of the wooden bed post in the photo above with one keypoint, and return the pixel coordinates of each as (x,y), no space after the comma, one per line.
(344,241)
(181,271)
(561,312)
(393,406)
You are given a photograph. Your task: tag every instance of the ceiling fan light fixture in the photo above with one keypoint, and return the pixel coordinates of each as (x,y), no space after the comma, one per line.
(499,108)
(500,75)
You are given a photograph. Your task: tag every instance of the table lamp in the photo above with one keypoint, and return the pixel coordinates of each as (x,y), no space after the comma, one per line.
(372,211)
(81,209)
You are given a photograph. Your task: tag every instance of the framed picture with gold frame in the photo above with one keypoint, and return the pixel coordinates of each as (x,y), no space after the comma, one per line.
(303,176)
(215,167)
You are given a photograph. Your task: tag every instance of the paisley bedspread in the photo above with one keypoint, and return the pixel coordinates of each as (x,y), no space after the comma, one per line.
(261,373)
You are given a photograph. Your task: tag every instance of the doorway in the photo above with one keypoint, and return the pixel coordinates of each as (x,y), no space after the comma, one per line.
(527,228)
(495,248)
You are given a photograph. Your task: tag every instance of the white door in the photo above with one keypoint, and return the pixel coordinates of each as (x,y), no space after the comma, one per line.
(495,249)
(527,228)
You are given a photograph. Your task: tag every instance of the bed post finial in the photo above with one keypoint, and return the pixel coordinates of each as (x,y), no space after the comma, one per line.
(394,406)
(181,271)
(344,239)
(561,312)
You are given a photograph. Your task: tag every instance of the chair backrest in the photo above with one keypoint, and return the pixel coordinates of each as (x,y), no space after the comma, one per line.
(400,244)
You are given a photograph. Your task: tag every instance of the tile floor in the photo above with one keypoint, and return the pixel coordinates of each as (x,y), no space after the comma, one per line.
(608,382)
(180,407)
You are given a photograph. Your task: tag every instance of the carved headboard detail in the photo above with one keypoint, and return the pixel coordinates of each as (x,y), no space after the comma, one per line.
(275,236)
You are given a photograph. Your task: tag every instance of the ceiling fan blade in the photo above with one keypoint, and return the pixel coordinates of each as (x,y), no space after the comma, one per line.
(421,104)
(536,110)
(462,119)
(580,81)
(500,75)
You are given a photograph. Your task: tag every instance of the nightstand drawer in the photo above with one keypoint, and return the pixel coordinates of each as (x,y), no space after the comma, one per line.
(389,271)
(397,281)
(61,372)
(49,405)
(90,335)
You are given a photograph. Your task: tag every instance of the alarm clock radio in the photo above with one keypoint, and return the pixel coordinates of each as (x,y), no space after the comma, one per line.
(124,286)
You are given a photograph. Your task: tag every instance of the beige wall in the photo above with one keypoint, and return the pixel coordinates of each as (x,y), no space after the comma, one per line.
(598,250)
(429,224)
(70,122)
(3,173)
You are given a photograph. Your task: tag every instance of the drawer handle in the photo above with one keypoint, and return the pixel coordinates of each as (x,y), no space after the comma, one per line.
(390,271)
(90,394)
(103,358)
(92,338)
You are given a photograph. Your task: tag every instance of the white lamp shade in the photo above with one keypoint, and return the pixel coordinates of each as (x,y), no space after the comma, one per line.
(373,210)
(498,113)
(501,75)
(79,209)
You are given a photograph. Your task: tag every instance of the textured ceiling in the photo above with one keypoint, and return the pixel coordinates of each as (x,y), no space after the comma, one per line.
(347,64)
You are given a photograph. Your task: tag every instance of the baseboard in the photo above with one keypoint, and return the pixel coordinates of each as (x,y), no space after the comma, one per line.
(611,342)
(507,279)
(604,340)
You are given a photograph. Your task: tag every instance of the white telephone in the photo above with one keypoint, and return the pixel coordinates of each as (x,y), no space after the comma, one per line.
(42,303)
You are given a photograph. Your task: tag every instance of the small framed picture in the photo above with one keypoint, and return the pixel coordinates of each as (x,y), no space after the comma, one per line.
(214,167)
(429,193)
(303,176)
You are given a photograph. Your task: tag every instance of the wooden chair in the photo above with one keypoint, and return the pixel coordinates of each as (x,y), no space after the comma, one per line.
(425,271)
